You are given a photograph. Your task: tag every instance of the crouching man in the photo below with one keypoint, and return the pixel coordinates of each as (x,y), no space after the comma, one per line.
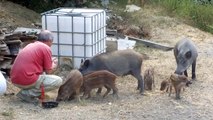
(32,69)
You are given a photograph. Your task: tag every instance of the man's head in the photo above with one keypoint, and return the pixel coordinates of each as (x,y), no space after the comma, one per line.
(46,37)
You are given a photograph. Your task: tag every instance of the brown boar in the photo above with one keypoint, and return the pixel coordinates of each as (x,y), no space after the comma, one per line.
(178,82)
(71,88)
(149,79)
(165,85)
(99,79)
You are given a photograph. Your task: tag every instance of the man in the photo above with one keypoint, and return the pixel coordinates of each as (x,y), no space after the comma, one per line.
(32,68)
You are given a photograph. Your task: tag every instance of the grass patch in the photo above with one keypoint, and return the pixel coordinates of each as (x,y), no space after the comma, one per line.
(8,114)
(141,48)
(193,13)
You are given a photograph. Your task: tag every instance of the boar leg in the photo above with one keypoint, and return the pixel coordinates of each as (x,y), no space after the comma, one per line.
(139,77)
(141,82)
(108,90)
(145,85)
(193,70)
(185,73)
(153,82)
(115,91)
(167,88)
(99,91)
(72,96)
(170,90)
(150,85)
(87,93)
(78,94)
(177,91)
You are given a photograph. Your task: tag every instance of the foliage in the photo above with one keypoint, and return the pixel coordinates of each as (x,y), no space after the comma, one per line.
(45,5)
(197,12)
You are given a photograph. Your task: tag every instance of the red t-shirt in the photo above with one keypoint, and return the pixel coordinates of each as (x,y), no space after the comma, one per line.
(31,61)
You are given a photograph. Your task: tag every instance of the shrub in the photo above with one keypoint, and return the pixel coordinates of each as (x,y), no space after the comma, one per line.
(200,12)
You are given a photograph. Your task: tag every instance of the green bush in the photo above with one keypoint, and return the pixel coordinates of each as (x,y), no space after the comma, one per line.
(202,15)
(40,6)
(196,13)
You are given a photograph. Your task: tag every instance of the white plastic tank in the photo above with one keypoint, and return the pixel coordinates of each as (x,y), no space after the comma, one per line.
(79,33)
(3,84)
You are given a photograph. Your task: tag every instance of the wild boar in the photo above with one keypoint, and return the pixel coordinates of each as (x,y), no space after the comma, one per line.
(149,79)
(164,85)
(121,62)
(71,87)
(185,53)
(178,82)
(99,79)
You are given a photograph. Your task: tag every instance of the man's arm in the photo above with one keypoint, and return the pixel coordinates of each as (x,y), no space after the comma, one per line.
(54,66)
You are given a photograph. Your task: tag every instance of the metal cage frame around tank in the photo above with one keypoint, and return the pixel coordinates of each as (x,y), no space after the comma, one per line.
(72,15)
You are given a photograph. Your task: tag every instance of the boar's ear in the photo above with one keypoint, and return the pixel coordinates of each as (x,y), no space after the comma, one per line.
(86,63)
(82,60)
(188,54)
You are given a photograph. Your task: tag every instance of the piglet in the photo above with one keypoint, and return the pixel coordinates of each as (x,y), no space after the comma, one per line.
(165,85)
(99,79)
(149,79)
(71,87)
(178,82)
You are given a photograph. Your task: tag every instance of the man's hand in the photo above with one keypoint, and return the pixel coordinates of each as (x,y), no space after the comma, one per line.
(54,66)
(54,63)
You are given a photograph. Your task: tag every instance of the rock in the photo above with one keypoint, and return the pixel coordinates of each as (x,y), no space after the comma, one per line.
(132,8)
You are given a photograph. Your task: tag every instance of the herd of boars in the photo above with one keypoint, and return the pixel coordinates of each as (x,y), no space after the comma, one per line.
(102,70)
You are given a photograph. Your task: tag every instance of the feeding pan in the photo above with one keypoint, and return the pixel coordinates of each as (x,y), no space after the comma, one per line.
(49,104)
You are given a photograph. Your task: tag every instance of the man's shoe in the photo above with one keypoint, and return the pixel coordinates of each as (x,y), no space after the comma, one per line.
(28,99)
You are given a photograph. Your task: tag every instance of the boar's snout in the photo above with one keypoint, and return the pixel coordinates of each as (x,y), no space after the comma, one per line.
(178,72)
(83,70)
(80,69)
(188,83)
(58,99)
(61,95)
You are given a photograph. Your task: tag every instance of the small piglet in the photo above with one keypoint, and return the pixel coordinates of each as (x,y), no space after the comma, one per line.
(99,79)
(164,85)
(178,82)
(149,79)
(71,88)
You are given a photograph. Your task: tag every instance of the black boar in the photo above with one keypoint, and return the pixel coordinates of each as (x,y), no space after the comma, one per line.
(185,54)
(121,62)
(99,79)
(71,87)
(149,79)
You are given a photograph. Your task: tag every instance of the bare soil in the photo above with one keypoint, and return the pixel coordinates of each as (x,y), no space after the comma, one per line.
(196,101)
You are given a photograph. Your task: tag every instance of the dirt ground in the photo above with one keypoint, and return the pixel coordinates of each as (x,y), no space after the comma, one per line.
(196,101)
